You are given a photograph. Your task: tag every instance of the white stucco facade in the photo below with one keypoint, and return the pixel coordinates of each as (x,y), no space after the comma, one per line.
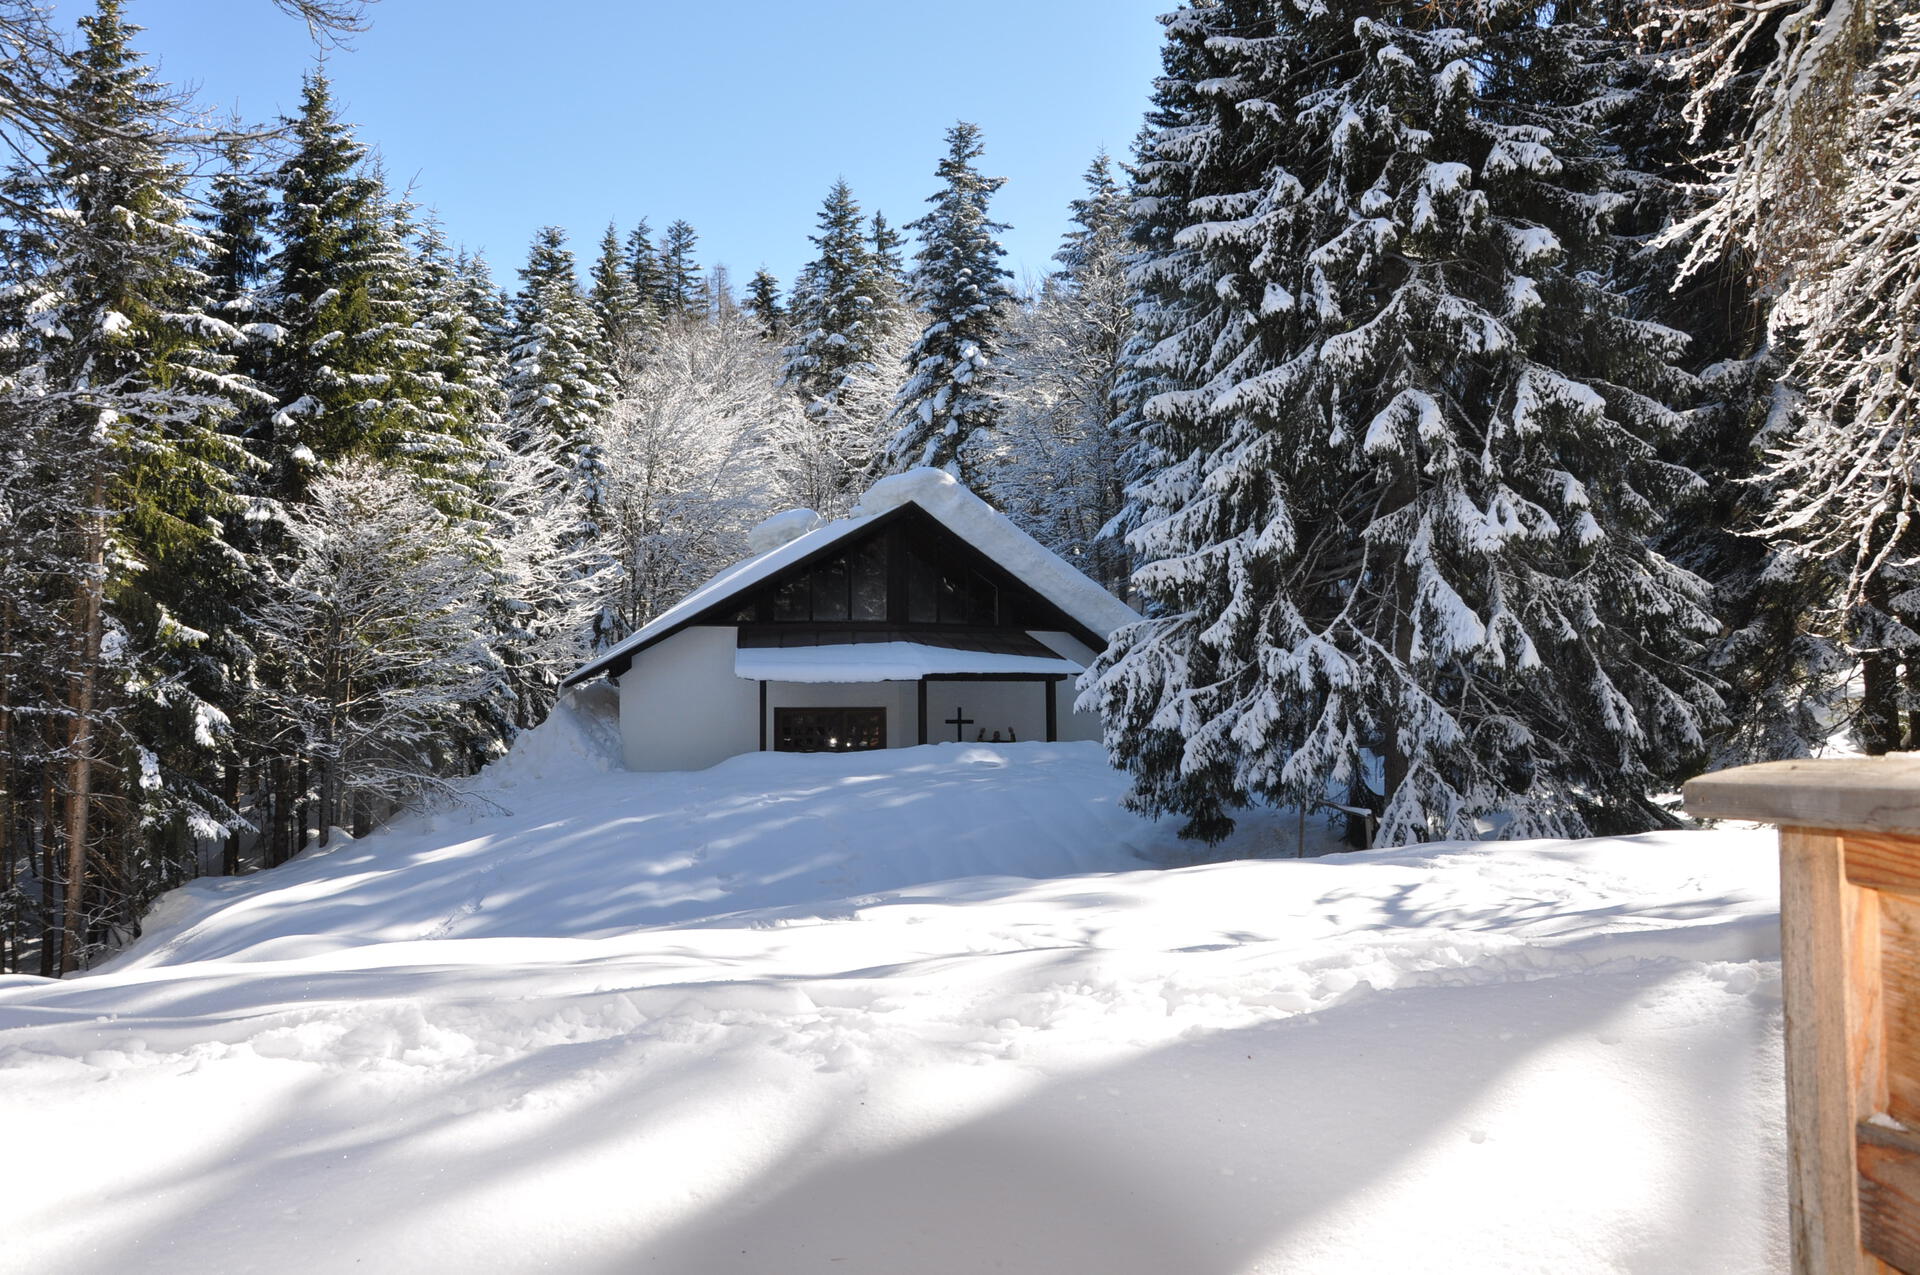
(682,707)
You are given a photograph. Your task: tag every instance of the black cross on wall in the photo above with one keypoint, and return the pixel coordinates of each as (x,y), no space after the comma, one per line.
(959,721)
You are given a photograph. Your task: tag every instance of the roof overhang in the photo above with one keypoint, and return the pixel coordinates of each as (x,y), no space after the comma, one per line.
(889,662)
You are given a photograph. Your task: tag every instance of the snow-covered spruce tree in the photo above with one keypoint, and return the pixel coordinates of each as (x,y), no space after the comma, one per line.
(643,267)
(1057,468)
(132,388)
(960,290)
(684,449)
(559,382)
(842,305)
(763,303)
(376,639)
(343,287)
(683,293)
(625,326)
(1400,465)
(1846,479)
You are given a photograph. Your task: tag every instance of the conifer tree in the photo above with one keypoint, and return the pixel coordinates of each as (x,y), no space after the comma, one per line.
(616,301)
(959,288)
(1058,468)
(683,292)
(833,305)
(643,267)
(134,389)
(559,382)
(763,303)
(1399,463)
(344,287)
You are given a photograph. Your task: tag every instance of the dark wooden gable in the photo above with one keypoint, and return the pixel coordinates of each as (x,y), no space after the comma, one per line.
(911,573)
(934,582)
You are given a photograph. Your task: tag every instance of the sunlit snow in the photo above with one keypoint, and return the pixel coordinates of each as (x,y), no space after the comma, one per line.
(941,1009)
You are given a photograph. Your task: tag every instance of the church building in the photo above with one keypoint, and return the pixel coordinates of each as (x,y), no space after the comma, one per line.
(924,616)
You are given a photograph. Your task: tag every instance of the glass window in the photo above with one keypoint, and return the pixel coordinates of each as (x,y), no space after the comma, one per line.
(923,590)
(830,590)
(870,581)
(791,602)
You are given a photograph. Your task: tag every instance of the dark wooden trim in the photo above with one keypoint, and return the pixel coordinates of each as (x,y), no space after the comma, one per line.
(1053,711)
(763,715)
(994,677)
(923,710)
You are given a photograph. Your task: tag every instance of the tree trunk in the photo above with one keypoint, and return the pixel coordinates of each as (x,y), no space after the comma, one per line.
(51,893)
(9,804)
(230,853)
(80,730)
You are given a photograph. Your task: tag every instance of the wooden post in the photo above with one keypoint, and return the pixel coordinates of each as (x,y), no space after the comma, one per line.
(1053,710)
(1850,974)
(923,710)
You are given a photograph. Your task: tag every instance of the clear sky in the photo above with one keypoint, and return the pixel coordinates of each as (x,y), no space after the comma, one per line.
(506,115)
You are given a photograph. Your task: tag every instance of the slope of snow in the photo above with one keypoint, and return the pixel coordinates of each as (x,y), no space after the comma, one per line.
(928,1010)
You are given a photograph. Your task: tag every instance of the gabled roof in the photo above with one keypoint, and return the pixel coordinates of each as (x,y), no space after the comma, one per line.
(937,494)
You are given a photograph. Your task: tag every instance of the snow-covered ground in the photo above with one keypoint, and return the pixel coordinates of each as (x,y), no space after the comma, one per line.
(934,1010)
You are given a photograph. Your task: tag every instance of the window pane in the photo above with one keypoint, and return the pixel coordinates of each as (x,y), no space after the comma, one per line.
(870,581)
(791,602)
(830,590)
(923,586)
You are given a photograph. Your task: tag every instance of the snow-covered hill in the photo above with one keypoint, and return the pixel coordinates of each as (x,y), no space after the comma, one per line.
(939,1009)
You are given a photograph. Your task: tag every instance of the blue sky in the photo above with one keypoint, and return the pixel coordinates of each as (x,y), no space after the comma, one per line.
(506,116)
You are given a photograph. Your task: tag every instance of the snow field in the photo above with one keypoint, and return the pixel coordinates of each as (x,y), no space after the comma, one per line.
(711,1022)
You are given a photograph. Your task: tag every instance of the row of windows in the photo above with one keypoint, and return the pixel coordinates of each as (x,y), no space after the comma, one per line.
(854,587)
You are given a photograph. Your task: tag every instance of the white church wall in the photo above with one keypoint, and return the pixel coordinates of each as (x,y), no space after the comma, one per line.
(681,707)
(1073,724)
(1019,707)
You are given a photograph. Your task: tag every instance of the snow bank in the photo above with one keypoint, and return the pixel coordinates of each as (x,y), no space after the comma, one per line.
(927,1010)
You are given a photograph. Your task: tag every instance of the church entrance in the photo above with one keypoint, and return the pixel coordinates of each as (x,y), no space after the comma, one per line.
(828,730)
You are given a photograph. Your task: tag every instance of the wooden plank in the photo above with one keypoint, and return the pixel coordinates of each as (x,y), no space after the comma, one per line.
(1890,1196)
(1900,1005)
(1866,1000)
(1823,1214)
(1883,860)
(1867,794)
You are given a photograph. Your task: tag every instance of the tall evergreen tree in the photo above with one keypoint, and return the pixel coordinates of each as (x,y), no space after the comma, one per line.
(833,305)
(643,267)
(763,303)
(683,292)
(134,390)
(1058,470)
(617,301)
(960,290)
(559,381)
(344,296)
(1399,467)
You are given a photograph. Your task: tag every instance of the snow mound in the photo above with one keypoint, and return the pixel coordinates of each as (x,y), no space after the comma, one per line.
(782,528)
(929,1010)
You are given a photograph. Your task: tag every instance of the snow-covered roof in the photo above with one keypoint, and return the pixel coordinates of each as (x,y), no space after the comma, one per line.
(939,494)
(884,662)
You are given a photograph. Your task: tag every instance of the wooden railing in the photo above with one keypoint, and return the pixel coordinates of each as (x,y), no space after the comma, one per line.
(1850,956)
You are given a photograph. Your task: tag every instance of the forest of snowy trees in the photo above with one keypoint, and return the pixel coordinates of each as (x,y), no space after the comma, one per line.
(1498,409)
